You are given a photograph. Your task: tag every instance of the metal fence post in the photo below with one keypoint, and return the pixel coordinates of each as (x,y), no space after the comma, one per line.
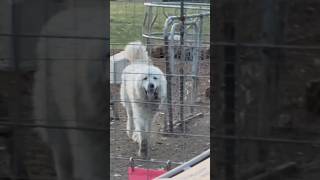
(182,60)
(229,101)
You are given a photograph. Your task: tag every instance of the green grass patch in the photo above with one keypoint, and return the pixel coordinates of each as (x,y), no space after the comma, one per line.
(126,21)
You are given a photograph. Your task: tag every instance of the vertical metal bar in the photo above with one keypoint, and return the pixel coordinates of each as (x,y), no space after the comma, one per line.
(168,72)
(195,64)
(182,61)
(229,98)
(172,49)
(149,21)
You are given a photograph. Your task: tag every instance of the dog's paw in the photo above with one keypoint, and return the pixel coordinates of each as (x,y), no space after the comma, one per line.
(143,154)
(143,149)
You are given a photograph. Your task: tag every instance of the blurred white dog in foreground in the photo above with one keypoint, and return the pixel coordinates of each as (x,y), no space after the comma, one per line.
(143,92)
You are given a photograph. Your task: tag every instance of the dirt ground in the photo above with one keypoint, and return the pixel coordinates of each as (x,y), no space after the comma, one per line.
(175,148)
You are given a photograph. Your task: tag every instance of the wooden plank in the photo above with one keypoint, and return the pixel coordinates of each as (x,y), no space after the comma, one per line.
(200,171)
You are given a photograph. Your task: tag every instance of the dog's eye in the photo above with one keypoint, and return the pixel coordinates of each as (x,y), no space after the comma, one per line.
(155,78)
(145,78)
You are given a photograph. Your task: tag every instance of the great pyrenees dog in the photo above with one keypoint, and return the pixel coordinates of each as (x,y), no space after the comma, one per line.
(143,93)
(70,91)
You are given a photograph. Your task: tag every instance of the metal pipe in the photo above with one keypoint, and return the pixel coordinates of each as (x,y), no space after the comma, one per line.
(169,107)
(171,43)
(195,65)
(161,38)
(167,24)
(195,6)
(186,165)
(181,71)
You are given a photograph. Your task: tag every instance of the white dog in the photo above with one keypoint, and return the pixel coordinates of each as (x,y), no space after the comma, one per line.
(69,91)
(143,90)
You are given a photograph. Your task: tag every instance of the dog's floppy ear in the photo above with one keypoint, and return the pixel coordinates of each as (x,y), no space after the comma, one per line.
(163,94)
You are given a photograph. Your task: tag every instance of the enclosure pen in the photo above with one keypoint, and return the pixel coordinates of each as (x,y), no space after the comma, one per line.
(176,35)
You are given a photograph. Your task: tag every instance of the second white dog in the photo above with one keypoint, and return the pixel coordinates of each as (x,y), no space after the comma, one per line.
(143,90)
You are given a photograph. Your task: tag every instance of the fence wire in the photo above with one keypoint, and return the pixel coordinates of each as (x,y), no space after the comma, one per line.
(291,47)
(154,15)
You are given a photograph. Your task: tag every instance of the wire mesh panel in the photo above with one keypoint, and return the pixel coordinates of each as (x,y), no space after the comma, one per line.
(181,41)
(189,137)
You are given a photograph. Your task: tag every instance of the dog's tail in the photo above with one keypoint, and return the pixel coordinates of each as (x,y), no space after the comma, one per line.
(137,52)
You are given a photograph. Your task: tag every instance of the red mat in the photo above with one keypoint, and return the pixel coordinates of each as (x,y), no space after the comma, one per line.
(143,174)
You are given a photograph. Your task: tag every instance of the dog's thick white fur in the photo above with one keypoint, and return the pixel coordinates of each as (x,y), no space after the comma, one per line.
(69,91)
(143,92)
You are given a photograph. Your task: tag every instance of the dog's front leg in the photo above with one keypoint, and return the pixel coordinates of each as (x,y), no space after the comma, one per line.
(141,136)
(144,148)
(129,120)
(137,134)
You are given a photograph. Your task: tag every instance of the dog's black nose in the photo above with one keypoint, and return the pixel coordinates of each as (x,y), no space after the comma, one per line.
(151,86)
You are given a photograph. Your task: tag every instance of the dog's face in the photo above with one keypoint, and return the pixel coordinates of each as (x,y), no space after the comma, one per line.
(151,86)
